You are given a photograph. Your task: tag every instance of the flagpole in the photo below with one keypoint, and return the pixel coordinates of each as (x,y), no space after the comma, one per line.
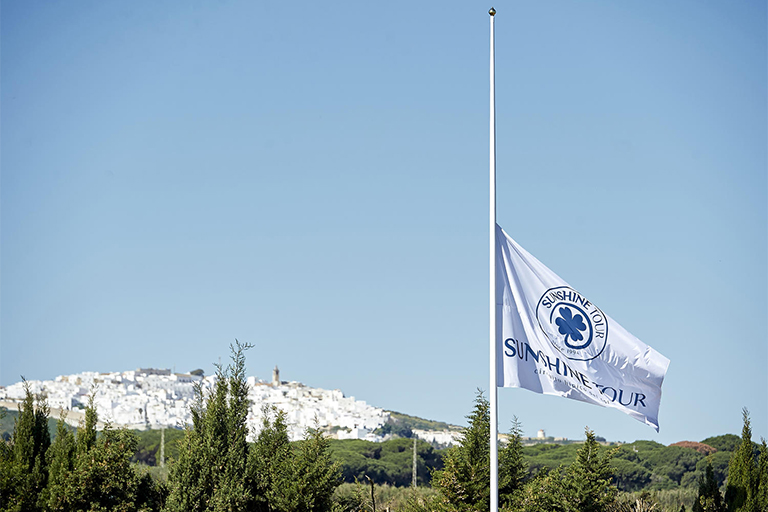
(493,394)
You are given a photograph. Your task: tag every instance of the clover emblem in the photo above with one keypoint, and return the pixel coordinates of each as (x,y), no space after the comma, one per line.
(570,325)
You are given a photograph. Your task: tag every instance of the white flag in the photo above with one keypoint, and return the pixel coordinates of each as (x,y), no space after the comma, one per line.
(555,341)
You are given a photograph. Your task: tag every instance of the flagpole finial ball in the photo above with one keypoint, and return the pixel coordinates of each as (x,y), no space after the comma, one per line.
(492,12)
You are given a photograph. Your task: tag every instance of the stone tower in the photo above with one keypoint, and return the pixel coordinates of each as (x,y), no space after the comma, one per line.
(276,376)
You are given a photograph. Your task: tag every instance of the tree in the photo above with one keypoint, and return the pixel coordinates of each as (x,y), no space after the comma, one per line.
(762,495)
(743,484)
(314,475)
(465,478)
(217,470)
(708,498)
(210,473)
(513,469)
(232,491)
(545,491)
(268,461)
(61,462)
(25,469)
(94,473)
(588,479)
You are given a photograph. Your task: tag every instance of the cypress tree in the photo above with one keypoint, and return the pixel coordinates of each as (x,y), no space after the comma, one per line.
(232,492)
(61,462)
(742,486)
(708,498)
(762,495)
(269,462)
(86,434)
(25,471)
(211,471)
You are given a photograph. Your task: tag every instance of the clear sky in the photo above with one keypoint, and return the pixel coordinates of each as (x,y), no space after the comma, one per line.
(312,178)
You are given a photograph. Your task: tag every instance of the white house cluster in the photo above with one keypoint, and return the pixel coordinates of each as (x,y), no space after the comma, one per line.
(152,398)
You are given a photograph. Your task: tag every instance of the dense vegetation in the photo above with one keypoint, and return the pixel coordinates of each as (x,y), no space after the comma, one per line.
(390,462)
(212,467)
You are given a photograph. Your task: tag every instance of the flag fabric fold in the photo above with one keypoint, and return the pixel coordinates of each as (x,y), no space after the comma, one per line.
(553,340)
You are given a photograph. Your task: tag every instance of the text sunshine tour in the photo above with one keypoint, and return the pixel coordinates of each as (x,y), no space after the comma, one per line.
(523,351)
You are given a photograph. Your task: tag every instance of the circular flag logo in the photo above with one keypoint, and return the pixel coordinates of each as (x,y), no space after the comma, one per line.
(574,326)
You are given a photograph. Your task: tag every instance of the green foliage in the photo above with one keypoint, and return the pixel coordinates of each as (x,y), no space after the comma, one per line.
(724,443)
(24,465)
(314,476)
(588,479)
(86,435)
(719,462)
(103,478)
(546,491)
(61,462)
(210,473)
(8,420)
(672,500)
(269,460)
(288,477)
(465,479)
(646,465)
(709,498)
(148,448)
(513,469)
(549,456)
(742,493)
(354,497)
(389,462)
(217,470)
(630,475)
(94,473)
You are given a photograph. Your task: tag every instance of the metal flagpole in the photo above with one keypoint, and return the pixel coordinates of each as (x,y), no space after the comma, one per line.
(493,389)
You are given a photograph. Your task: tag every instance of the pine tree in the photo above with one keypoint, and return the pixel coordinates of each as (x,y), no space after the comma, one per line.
(708,498)
(513,469)
(742,486)
(465,478)
(588,479)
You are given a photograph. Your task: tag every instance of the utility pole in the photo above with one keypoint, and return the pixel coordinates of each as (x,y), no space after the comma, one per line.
(413,479)
(162,447)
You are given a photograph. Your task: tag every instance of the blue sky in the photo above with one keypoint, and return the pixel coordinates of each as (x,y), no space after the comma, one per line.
(313,180)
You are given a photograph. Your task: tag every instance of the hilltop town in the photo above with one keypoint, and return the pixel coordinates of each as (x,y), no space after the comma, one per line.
(151,398)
